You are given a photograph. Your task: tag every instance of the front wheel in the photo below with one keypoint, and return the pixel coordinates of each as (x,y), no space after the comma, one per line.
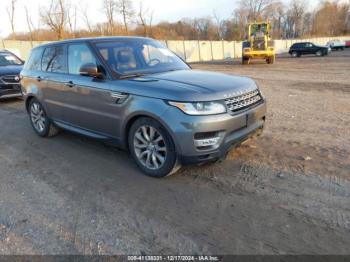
(39,120)
(245,60)
(152,148)
(270,60)
(295,54)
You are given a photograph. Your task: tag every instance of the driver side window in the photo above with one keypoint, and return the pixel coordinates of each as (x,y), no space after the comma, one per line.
(78,55)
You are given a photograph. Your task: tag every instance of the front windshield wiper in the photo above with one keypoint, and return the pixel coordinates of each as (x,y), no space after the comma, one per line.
(131,75)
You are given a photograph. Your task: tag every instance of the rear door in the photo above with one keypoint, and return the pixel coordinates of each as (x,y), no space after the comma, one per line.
(92,103)
(32,81)
(310,48)
(54,72)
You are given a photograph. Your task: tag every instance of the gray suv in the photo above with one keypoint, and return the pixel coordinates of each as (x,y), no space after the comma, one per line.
(135,93)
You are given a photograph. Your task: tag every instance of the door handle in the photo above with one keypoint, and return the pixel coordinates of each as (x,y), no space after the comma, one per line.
(70,84)
(39,79)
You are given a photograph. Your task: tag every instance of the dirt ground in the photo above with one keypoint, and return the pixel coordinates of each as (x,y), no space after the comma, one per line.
(287,192)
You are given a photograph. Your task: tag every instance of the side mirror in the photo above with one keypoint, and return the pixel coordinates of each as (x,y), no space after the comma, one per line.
(90,69)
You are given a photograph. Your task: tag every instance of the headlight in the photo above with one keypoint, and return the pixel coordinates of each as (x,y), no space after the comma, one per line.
(200,108)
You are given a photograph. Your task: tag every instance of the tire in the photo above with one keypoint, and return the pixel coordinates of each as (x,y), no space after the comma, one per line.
(270,60)
(152,148)
(39,120)
(295,54)
(245,61)
(319,53)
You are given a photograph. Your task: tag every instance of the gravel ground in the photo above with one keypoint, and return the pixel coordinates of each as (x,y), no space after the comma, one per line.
(287,192)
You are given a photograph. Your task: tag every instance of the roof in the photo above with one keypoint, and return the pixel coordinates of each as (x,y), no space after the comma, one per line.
(297,43)
(92,39)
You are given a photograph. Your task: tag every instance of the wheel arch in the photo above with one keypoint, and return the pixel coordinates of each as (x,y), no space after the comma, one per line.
(27,101)
(131,120)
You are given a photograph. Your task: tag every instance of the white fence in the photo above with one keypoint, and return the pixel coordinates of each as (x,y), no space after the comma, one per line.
(191,51)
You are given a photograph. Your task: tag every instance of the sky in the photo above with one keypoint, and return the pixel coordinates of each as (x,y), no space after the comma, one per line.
(170,10)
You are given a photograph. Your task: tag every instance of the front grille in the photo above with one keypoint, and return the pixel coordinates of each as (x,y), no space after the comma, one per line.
(244,101)
(10,79)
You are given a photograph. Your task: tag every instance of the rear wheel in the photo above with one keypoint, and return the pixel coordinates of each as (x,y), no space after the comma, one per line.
(39,120)
(152,148)
(295,54)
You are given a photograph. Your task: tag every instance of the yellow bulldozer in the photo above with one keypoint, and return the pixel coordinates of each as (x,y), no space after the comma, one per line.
(259,44)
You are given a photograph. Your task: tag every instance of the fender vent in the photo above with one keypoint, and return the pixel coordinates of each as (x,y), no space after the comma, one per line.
(120,97)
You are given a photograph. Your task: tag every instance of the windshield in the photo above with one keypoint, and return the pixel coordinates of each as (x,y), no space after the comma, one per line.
(7,59)
(258,29)
(139,57)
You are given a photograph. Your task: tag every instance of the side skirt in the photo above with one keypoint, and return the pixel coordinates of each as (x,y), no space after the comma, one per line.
(104,138)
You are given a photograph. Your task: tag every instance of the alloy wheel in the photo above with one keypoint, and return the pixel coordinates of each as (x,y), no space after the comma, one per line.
(37,116)
(150,147)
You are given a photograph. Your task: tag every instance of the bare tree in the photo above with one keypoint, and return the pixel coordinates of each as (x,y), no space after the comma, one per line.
(331,19)
(255,8)
(55,17)
(241,20)
(296,13)
(11,14)
(126,9)
(29,24)
(86,18)
(220,25)
(146,18)
(72,21)
(110,7)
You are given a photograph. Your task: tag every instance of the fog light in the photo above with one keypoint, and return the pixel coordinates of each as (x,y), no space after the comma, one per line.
(207,142)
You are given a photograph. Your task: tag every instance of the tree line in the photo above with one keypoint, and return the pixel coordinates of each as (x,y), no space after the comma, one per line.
(59,19)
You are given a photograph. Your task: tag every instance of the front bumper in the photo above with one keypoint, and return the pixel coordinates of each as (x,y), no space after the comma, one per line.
(229,130)
(8,91)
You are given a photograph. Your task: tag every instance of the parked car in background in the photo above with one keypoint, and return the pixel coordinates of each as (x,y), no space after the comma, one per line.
(336,45)
(140,95)
(308,48)
(347,43)
(10,68)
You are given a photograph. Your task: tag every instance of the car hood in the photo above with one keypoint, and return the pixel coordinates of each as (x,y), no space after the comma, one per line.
(10,70)
(190,85)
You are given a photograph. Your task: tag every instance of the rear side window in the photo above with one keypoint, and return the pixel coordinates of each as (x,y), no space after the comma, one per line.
(78,55)
(34,61)
(54,60)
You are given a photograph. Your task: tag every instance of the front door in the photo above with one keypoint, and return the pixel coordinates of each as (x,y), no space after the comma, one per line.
(309,48)
(91,103)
